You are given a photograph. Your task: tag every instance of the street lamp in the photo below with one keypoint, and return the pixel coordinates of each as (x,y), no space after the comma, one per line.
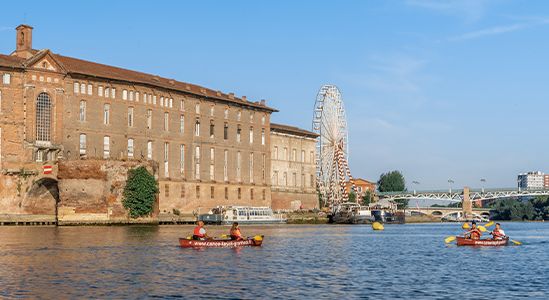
(450,181)
(483,181)
(416,183)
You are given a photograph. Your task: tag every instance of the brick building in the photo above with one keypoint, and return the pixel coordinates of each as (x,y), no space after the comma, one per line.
(293,168)
(362,186)
(207,148)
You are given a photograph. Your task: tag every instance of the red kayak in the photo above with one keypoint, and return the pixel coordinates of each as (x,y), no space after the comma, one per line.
(189,243)
(461,241)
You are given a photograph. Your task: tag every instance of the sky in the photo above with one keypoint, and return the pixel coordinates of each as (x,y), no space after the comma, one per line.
(436,89)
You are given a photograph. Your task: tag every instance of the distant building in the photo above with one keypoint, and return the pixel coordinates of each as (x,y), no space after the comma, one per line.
(361,186)
(293,167)
(532,180)
(546,181)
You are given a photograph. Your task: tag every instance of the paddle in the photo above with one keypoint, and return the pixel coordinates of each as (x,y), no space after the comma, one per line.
(515,242)
(489,224)
(449,239)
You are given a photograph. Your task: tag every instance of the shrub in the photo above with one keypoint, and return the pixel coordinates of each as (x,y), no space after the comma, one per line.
(140,192)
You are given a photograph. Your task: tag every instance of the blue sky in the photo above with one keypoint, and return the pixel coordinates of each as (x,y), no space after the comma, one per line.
(436,89)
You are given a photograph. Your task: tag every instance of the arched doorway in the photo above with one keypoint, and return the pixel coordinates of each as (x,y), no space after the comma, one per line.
(42,198)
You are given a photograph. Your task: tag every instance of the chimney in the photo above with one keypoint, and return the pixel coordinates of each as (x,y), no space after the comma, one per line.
(244,98)
(262,102)
(23,43)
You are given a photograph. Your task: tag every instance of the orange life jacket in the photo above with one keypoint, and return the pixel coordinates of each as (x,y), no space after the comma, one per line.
(475,234)
(236,233)
(197,232)
(497,233)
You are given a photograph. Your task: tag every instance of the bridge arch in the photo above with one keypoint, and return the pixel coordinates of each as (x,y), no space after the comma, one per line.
(42,197)
(437,213)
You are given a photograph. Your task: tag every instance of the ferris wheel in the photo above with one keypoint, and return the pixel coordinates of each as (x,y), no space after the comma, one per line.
(332,169)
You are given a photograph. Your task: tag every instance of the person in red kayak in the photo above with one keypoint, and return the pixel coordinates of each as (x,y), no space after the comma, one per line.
(498,233)
(199,232)
(474,233)
(235,232)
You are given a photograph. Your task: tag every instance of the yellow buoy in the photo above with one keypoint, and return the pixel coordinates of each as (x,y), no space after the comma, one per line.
(377,226)
(465,226)
(258,238)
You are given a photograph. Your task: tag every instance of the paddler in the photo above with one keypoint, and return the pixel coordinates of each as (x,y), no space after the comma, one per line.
(199,232)
(474,233)
(235,232)
(498,233)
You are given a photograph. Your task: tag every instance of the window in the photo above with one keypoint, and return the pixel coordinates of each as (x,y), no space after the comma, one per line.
(239,193)
(43,118)
(182,191)
(0,101)
(149,150)
(312,157)
(252,167)
(197,108)
(212,192)
(124,95)
(212,164)
(302,180)
(251,194)
(263,123)
(262,136)
(182,160)
(100,91)
(166,190)
(197,192)
(226,113)
(197,162)
(166,159)
(82,114)
(166,121)
(285,179)
(82,144)
(182,105)
(226,193)
(226,131)
(162,101)
(106,147)
(263,194)
(275,152)
(212,129)
(149,118)
(294,179)
(130,148)
(107,91)
(212,110)
(181,124)
(136,96)
(263,163)
(294,158)
(151,99)
(225,162)
(302,155)
(285,154)
(251,117)
(251,135)
(131,95)
(113,93)
(311,181)
(130,116)
(238,115)
(76,86)
(197,127)
(275,178)
(238,162)
(171,102)
(106,114)
(90,89)
(238,131)
(7,78)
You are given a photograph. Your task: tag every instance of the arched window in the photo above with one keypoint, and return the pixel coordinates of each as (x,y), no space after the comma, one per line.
(43,118)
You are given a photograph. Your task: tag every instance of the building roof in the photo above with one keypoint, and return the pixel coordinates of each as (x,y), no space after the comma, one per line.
(82,68)
(292,130)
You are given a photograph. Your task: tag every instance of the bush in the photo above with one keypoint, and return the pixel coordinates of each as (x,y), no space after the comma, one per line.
(140,192)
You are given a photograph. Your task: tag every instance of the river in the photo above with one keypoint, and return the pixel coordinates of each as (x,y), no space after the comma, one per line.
(295,261)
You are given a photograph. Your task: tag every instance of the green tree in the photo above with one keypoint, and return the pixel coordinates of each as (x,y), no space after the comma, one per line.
(352,197)
(367,198)
(391,182)
(513,209)
(140,192)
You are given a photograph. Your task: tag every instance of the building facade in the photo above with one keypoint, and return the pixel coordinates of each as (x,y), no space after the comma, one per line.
(208,148)
(531,180)
(546,181)
(293,168)
(362,186)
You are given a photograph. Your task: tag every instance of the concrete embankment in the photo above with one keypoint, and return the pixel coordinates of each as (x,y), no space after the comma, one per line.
(306,218)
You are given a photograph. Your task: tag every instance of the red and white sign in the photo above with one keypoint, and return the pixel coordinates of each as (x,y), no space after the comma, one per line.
(47,169)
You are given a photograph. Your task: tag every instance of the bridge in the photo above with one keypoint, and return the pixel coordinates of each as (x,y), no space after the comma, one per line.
(466,196)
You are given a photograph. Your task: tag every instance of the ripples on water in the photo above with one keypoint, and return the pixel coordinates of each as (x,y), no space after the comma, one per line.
(404,261)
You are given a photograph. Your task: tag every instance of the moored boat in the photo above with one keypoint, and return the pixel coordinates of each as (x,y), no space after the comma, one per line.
(461,241)
(220,243)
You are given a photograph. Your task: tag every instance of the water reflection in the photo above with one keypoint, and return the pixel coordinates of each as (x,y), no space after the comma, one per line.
(295,262)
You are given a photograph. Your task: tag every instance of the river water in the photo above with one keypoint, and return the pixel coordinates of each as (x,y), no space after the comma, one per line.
(295,261)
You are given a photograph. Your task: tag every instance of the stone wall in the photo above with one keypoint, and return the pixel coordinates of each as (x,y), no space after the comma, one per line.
(91,191)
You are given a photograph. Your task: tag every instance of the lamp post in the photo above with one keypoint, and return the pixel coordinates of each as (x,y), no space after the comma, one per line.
(483,181)
(450,181)
(416,183)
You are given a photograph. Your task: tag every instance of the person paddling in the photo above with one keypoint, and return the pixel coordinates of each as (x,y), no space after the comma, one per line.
(235,232)
(199,232)
(498,233)
(474,233)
